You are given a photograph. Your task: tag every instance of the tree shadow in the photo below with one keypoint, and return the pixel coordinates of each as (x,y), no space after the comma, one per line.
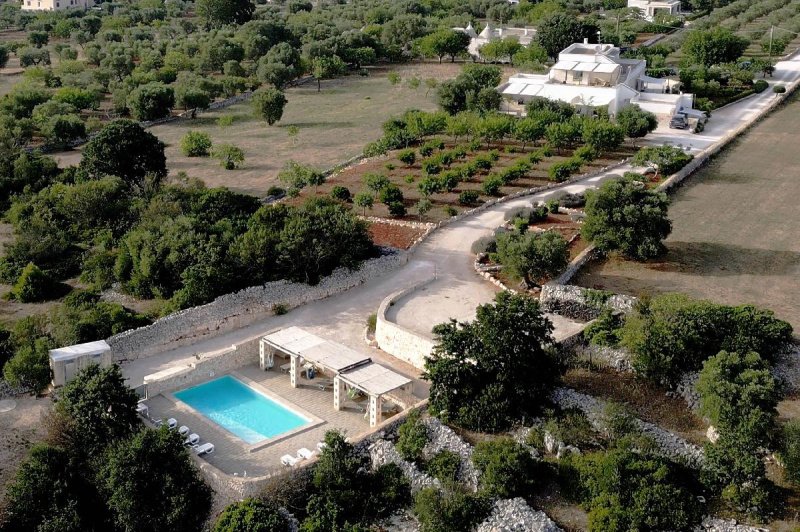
(714,258)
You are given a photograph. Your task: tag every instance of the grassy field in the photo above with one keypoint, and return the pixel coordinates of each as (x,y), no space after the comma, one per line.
(735,230)
(334,125)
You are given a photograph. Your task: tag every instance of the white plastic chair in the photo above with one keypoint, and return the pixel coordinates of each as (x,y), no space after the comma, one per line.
(289,460)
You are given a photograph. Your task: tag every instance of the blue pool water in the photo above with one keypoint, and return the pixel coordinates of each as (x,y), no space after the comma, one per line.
(240,409)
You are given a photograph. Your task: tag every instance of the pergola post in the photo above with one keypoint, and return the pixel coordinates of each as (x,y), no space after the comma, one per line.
(294,370)
(374,409)
(338,392)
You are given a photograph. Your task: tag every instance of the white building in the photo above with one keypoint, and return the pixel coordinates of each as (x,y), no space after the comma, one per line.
(650,8)
(594,75)
(66,362)
(523,35)
(55,5)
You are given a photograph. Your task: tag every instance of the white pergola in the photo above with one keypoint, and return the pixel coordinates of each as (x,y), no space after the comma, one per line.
(348,366)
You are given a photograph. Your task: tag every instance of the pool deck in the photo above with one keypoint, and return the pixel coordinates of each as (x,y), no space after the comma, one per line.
(233,455)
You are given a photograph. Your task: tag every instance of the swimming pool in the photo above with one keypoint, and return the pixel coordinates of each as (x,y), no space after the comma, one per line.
(240,409)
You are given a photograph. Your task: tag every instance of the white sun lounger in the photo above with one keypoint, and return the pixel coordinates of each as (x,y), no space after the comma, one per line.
(172,423)
(192,440)
(305,453)
(206,448)
(143,410)
(289,460)
(183,430)
(321,446)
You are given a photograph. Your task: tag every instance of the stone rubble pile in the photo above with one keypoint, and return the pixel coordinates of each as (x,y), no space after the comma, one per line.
(685,389)
(6,390)
(514,515)
(576,302)
(402,521)
(384,452)
(671,445)
(441,437)
(713,524)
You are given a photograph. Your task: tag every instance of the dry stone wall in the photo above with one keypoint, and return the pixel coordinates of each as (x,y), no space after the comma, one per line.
(671,445)
(441,438)
(581,303)
(241,308)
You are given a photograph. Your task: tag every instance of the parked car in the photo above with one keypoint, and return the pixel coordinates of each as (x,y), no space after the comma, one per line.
(678,122)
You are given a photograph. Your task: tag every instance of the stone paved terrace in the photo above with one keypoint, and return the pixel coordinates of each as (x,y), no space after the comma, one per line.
(232,455)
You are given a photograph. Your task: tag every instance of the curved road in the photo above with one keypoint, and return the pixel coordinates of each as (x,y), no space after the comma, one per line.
(457,289)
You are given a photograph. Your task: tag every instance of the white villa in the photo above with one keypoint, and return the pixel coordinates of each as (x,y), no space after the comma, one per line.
(594,75)
(523,35)
(55,5)
(650,8)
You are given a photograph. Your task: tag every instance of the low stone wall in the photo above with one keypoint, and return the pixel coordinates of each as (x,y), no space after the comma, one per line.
(575,265)
(712,524)
(443,438)
(578,303)
(206,365)
(671,445)
(241,308)
(398,341)
(383,452)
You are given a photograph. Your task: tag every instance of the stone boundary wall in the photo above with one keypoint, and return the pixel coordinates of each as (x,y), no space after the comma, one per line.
(207,365)
(575,301)
(397,340)
(671,445)
(241,308)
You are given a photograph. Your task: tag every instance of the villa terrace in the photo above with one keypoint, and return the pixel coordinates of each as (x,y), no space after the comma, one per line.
(313,398)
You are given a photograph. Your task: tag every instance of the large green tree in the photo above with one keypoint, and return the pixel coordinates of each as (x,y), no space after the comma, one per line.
(216,13)
(151,484)
(151,101)
(124,149)
(635,121)
(252,515)
(268,104)
(624,215)
(493,371)
(713,47)
(533,256)
(444,42)
(558,30)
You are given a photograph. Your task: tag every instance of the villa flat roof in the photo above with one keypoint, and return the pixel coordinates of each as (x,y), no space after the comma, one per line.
(316,350)
(586,66)
(74,351)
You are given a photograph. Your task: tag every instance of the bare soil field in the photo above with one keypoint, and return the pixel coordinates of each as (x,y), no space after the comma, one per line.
(735,228)
(334,125)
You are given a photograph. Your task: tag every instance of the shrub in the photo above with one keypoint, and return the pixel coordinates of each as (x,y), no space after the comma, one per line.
(32,285)
(485,244)
(604,330)
(760,85)
(229,156)
(340,193)
(196,144)
(560,172)
(279,309)
(572,427)
(482,162)
(407,157)
(449,511)
(372,322)
(225,120)
(507,468)
(412,436)
(431,166)
(251,515)
(704,329)
(444,465)
(449,210)
(389,166)
(779,89)
(396,208)
(790,451)
(571,200)
(586,154)
(29,368)
(553,206)
(491,185)
(468,197)
(665,159)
